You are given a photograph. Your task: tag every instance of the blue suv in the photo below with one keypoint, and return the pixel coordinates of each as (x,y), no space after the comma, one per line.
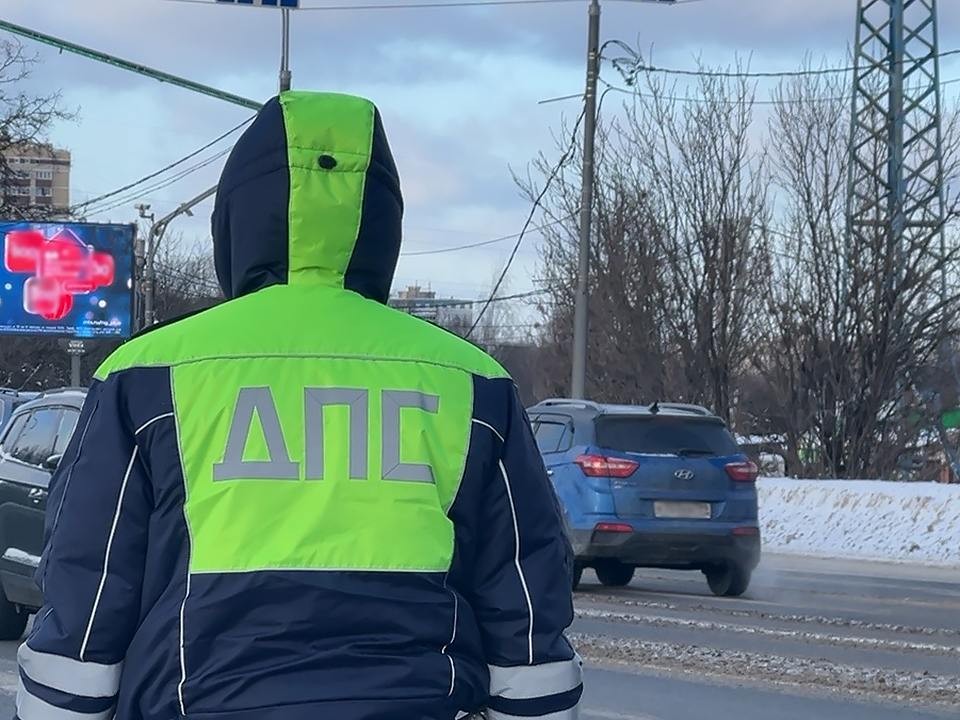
(663,485)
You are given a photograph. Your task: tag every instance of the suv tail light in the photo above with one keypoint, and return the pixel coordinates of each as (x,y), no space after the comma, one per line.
(610,527)
(603,466)
(743,471)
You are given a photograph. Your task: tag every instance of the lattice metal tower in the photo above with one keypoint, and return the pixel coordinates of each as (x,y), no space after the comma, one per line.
(896,183)
(896,199)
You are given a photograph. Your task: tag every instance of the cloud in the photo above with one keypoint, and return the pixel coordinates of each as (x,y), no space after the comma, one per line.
(458,89)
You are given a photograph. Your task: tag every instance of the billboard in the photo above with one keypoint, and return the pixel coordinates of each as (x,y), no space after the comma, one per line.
(66,279)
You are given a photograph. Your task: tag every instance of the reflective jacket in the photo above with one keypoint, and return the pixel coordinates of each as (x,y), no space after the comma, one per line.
(302,504)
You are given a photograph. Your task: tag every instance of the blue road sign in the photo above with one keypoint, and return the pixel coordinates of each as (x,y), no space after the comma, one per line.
(264,3)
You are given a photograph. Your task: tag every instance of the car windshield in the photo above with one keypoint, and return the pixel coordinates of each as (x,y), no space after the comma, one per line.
(666,435)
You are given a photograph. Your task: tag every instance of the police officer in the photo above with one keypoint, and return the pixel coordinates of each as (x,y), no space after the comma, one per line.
(302,504)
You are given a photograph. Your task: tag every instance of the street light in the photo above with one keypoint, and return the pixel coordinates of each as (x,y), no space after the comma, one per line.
(154,237)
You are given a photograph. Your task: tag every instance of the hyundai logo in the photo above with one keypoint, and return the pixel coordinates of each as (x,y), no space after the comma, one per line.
(683,474)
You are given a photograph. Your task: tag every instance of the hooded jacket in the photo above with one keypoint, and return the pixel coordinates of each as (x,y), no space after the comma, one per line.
(302,504)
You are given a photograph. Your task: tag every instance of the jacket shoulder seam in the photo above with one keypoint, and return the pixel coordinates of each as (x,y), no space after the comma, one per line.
(305,356)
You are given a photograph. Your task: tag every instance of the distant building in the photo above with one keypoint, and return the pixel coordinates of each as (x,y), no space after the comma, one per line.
(451,313)
(38,179)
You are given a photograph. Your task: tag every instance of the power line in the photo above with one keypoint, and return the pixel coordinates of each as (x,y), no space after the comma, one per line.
(414,305)
(169,167)
(630,67)
(202,282)
(208,284)
(730,101)
(476,3)
(482,243)
(415,5)
(533,210)
(448,4)
(161,185)
(436,5)
(536,204)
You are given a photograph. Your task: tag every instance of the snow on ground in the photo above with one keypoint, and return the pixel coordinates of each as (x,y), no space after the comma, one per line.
(867,519)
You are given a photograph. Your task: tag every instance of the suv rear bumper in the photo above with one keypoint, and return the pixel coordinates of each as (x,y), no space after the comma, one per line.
(681,548)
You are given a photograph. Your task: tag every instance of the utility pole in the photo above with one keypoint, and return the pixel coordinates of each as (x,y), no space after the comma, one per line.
(140,255)
(578,380)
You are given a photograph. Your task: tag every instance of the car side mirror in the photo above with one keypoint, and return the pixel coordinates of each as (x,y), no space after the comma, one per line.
(52,462)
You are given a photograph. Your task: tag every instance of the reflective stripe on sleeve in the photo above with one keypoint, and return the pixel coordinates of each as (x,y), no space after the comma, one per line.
(571,714)
(30,707)
(84,679)
(535,681)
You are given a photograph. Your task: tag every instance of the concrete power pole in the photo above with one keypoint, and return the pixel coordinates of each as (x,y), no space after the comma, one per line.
(578,380)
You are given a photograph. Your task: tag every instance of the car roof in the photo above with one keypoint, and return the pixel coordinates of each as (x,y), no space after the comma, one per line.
(73,397)
(11,393)
(588,408)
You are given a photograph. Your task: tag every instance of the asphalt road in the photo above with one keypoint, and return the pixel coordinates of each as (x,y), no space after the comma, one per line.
(812,639)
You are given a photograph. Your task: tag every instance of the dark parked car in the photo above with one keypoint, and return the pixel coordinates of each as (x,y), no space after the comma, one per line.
(31,446)
(10,400)
(651,486)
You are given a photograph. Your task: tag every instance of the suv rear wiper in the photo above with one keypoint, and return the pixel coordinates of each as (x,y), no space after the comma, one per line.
(686,452)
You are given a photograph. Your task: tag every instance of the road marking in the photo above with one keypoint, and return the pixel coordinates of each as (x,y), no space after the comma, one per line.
(610,715)
(615,617)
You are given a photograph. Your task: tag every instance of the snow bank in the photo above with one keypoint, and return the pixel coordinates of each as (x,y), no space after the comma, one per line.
(866,519)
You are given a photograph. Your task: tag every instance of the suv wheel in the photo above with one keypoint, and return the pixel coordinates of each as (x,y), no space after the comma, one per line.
(614,573)
(731,579)
(12,621)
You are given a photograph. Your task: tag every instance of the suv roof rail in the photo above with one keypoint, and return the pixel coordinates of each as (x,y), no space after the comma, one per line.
(687,407)
(567,402)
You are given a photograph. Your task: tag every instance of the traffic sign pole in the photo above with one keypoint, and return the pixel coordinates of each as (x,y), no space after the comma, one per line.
(76,349)
(285,6)
(286,77)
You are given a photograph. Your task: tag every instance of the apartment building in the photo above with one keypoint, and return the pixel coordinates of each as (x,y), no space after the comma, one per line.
(450,313)
(38,179)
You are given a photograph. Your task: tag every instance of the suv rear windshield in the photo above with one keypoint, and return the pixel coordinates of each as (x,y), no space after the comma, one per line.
(665,435)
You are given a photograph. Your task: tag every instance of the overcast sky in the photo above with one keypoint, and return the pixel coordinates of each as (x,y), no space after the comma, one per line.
(458,89)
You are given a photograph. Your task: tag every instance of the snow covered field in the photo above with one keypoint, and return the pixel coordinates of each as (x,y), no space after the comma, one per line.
(867,519)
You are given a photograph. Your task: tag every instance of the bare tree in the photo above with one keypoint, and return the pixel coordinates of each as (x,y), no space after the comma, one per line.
(706,186)
(25,119)
(186,279)
(855,316)
(627,351)
(678,250)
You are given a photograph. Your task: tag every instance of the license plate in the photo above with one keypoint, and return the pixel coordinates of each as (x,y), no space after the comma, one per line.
(682,510)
